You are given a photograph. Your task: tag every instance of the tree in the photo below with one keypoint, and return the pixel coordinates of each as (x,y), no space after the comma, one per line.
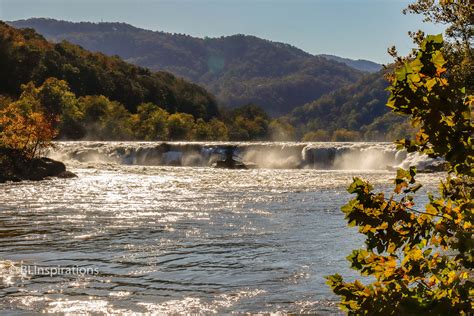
(116,124)
(5,101)
(26,130)
(180,126)
(421,259)
(57,99)
(105,119)
(458,17)
(151,122)
(54,99)
(389,127)
(201,130)
(248,122)
(218,130)
(28,125)
(456,14)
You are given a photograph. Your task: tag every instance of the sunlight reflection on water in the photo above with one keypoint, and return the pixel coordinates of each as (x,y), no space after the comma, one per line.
(178,240)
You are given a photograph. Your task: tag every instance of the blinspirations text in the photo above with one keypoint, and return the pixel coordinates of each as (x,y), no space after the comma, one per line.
(57,270)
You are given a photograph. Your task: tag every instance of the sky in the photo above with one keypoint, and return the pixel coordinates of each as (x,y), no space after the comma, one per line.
(358,29)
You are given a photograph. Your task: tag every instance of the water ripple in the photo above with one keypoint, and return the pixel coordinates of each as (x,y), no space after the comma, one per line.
(177,240)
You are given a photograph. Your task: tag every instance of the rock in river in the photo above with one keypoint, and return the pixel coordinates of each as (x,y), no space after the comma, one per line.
(14,167)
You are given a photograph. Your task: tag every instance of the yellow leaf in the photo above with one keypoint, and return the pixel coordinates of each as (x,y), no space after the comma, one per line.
(451,277)
(430,84)
(430,209)
(416,254)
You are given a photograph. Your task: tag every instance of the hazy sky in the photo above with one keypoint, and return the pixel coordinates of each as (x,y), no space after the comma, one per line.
(348,28)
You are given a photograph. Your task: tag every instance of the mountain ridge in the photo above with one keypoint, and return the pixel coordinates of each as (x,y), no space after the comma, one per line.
(360,64)
(238,69)
(27,56)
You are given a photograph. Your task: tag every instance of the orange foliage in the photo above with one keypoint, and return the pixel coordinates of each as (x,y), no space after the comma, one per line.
(27,131)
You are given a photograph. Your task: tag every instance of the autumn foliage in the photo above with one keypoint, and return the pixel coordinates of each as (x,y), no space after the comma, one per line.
(420,257)
(29,124)
(26,131)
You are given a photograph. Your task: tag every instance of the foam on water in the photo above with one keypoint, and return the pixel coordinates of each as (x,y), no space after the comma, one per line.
(324,156)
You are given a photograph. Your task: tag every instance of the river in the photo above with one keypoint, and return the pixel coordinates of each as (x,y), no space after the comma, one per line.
(183,239)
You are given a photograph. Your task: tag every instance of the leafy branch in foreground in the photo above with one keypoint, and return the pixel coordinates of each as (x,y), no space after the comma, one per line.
(421,260)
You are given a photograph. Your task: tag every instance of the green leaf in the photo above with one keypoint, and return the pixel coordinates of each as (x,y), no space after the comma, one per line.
(438,59)
(438,38)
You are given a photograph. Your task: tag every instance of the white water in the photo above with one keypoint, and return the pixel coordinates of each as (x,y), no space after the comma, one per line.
(273,155)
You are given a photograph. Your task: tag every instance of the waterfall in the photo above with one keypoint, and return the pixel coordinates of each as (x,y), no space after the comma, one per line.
(283,155)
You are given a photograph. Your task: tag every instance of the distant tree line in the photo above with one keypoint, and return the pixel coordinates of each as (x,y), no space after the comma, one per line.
(96,117)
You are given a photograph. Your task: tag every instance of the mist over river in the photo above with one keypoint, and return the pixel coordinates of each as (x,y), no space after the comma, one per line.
(168,233)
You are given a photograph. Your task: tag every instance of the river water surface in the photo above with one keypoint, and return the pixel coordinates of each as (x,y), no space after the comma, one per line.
(178,239)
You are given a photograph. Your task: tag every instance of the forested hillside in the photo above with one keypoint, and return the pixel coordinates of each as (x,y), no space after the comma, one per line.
(357,111)
(26,56)
(330,111)
(238,69)
(93,96)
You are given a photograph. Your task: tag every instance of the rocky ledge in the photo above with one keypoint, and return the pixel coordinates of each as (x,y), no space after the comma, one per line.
(14,167)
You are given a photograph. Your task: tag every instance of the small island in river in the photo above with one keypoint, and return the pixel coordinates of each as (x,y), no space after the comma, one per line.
(16,167)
